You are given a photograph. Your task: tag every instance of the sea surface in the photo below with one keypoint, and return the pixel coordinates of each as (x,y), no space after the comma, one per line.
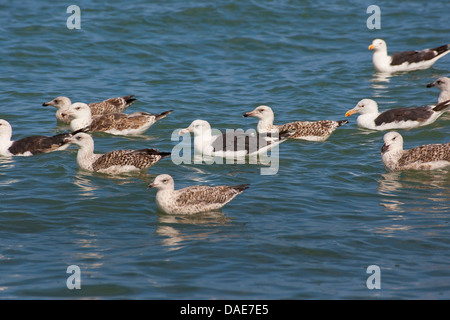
(310,231)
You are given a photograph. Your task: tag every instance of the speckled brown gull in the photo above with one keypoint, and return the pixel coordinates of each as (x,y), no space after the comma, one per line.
(111,105)
(193,199)
(303,130)
(115,123)
(32,145)
(113,162)
(426,157)
(405,60)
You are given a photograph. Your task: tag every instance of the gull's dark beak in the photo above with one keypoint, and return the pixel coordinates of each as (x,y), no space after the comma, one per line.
(431,85)
(384,148)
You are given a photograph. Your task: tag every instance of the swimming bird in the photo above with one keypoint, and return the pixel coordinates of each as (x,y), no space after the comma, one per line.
(425,157)
(443,84)
(398,118)
(231,144)
(113,162)
(193,199)
(405,60)
(113,123)
(111,105)
(305,130)
(32,145)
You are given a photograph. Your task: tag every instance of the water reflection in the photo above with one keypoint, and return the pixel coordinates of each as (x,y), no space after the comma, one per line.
(6,164)
(410,190)
(173,227)
(85,180)
(379,82)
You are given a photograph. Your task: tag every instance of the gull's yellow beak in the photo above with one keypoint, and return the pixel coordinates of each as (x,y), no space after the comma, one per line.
(183,131)
(371,47)
(350,112)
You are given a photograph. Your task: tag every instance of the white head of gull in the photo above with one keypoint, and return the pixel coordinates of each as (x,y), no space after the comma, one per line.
(443,84)
(426,157)
(62,104)
(193,199)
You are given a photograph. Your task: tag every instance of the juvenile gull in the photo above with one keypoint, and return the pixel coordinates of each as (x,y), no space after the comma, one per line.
(426,157)
(113,162)
(194,199)
(113,123)
(304,130)
(405,60)
(443,84)
(231,144)
(398,118)
(111,105)
(30,145)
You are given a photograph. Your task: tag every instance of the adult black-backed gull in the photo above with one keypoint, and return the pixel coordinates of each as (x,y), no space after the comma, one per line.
(113,123)
(194,199)
(304,130)
(111,105)
(443,84)
(406,60)
(398,118)
(235,144)
(113,162)
(426,157)
(30,145)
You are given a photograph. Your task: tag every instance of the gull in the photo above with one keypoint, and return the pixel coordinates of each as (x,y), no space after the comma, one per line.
(31,145)
(304,130)
(425,157)
(398,118)
(231,144)
(111,105)
(193,199)
(405,60)
(115,123)
(113,162)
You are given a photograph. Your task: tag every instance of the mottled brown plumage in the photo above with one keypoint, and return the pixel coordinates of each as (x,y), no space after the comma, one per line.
(425,153)
(202,195)
(111,105)
(140,159)
(320,128)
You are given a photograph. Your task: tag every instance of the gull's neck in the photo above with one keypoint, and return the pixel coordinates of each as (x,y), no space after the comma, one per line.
(81,122)
(86,156)
(265,125)
(381,60)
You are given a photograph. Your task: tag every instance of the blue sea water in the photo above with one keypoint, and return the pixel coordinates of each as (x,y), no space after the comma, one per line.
(310,231)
